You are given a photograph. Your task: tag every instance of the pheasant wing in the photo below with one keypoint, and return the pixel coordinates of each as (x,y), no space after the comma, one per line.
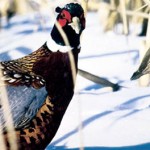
(19,71)
(24,103)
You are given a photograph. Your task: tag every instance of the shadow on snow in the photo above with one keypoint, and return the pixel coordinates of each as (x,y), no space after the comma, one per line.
(93,118)
(145,146)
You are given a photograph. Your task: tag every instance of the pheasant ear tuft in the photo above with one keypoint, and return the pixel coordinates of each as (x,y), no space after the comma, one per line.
(58,9)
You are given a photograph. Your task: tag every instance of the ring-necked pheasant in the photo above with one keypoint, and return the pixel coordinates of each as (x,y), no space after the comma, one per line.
(40,85)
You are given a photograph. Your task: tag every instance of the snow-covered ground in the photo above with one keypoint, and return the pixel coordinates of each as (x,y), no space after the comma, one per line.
(97,118)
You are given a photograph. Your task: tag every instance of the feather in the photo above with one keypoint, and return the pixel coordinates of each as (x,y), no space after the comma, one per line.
(24,103)
(98,80)
(19,72)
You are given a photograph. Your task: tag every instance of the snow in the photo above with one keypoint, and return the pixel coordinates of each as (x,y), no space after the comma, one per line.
(97,118)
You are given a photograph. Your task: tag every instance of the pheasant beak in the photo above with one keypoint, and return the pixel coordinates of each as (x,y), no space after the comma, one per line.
(75,24)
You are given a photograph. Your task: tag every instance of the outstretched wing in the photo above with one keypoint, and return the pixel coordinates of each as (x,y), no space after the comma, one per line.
(19,71)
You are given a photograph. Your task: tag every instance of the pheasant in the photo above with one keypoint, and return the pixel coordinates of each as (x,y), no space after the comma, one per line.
(40,86)
(144,67)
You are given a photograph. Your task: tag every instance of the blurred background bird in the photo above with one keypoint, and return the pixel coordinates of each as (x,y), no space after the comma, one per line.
(144,67)
(41,85)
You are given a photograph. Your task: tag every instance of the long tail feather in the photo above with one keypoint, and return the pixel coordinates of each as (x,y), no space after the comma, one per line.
(98,80)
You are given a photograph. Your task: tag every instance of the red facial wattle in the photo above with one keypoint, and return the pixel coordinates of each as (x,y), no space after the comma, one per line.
(62,22)
(64,18)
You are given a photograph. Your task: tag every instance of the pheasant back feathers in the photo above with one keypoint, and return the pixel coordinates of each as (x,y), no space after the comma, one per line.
(19,71)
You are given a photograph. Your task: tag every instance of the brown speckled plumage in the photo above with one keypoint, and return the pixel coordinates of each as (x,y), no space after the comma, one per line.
(20,71)
(59,85)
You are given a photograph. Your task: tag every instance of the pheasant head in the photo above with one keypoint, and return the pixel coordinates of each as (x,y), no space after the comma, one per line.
(71,20)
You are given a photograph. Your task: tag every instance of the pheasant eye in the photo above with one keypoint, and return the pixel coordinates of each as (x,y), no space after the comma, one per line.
(63,15)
